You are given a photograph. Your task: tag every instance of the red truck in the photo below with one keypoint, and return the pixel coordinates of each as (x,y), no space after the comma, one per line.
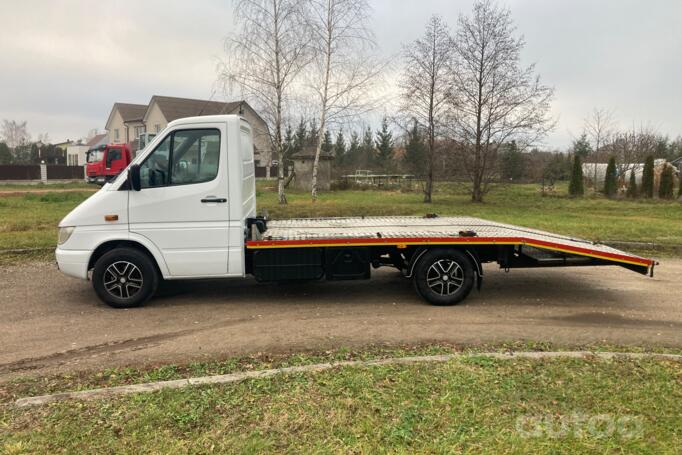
(105,162)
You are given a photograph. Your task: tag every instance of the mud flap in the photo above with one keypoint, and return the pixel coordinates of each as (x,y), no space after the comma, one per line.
(479,269)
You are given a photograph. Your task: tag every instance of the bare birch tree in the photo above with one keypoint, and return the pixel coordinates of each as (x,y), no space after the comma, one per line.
(494,99)
(264,59)
(426,85)
(342,75)
(599,126)
(15,133)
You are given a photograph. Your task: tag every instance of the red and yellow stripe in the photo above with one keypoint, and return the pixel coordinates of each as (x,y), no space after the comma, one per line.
(419,241)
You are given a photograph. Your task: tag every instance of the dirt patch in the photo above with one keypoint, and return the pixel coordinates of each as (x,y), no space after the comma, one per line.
(53,323)
(610,319)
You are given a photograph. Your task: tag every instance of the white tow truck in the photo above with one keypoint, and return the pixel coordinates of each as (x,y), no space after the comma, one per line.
(186,209)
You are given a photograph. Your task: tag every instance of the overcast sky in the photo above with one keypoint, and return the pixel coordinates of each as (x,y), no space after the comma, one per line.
(65,62)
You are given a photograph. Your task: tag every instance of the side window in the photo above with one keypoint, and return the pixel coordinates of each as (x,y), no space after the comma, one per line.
(154,169)
(113,155)
(184,157)
(246,146)
(195,156)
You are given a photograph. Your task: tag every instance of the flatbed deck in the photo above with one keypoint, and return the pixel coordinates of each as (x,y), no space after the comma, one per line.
(415,231)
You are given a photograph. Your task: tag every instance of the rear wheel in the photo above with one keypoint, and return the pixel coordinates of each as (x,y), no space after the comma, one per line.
(125,278)
(444,276)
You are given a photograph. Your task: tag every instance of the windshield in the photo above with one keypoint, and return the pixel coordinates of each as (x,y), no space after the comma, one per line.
(95,156)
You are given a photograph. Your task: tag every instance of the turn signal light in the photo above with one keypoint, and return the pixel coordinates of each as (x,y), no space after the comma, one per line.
(110,217)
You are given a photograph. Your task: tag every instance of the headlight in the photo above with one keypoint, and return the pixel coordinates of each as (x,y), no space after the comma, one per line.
(64,234)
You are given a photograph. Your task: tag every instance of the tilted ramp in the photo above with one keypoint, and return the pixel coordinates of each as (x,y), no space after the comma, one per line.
(412,231)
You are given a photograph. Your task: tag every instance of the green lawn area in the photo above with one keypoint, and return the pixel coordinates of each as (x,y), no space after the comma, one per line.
(595,218)
(49,186)
(31,385)
(29,220)
(474,404)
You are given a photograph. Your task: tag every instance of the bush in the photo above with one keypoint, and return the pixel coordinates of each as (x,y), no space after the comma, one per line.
(610,184)
(667,186)
(632,186)
(648,177)
(576,187)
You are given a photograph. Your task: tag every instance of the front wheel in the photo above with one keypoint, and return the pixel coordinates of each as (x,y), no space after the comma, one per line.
(125,278)
(444,276)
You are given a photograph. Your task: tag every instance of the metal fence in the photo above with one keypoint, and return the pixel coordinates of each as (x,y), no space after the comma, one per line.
(19,172)
(61,172)
(40,172)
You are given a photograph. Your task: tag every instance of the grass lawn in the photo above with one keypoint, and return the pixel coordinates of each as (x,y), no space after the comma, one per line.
(29,220)
(594,218)
(473,404)
(44,187)
(25,386)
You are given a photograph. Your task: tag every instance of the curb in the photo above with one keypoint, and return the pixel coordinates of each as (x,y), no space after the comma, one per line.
(108,392)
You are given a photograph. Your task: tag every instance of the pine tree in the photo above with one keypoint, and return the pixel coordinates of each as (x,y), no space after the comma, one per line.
(300,137)
(313,134)
(340,147)
(582,147)
(384,145)
(327,144)
(632,192)
(576,188)
(559,167)
(367,157)
(415,151)
(35,154)
(667,185)
(353,154)
(21,154)
(610,183)
(648,178)
(5,154)
(512,162)
(289,143)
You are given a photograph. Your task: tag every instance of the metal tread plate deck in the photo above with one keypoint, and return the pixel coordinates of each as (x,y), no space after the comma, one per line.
(402,230)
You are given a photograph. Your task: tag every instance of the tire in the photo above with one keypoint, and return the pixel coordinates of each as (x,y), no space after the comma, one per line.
(444,276)
(125,278)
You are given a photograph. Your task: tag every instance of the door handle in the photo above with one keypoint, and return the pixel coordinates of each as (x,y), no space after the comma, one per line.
(214,200)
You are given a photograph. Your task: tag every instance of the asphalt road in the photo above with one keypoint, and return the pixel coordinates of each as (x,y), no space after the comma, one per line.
(49,322)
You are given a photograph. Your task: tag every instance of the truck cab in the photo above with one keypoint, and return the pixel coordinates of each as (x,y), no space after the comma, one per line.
(105,162)
(178,212)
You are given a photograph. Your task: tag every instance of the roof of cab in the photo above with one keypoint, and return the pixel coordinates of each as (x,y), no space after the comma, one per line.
(206,119)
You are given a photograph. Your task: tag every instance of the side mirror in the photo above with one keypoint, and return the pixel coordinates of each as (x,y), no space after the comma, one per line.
(134,177)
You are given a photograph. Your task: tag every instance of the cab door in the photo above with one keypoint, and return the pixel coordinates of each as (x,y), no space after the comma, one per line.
(183,206)
(113,161)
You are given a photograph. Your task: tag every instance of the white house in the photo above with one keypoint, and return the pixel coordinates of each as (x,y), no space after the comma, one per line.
(124,124)
(76,152)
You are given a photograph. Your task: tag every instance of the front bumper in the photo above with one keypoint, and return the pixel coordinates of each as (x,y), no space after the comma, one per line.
(73,262)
